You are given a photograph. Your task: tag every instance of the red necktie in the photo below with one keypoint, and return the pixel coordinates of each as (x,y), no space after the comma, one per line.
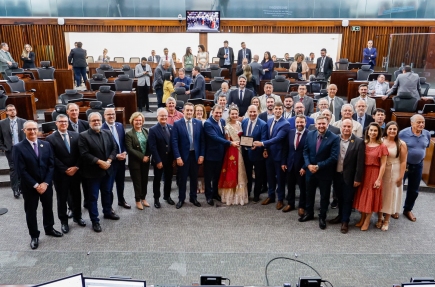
(301,99)
(298,139)
(166,57)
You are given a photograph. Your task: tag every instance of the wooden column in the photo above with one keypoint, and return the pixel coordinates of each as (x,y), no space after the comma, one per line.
(203,40)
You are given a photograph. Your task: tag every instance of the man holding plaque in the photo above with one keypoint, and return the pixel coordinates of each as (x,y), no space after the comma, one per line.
(254,129)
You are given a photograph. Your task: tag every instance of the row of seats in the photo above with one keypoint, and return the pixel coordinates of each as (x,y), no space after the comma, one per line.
(45,72)
(95,105)
(105,95)
(90,59)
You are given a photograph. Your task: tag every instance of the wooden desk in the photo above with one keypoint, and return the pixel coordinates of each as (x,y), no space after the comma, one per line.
(3,114)
(387,104)
(120,114)
(93,66)
(429,165)
(126,100)
(46,92)
(403,120)
(340,78)
(64,79)
(352,88)
(25,105)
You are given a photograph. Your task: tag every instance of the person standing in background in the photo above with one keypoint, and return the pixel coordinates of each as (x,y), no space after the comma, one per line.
(370,54)
(5,57)
(226,57)
(244,53)
(77,58)
(143,73)
(104,58)
(28,57)
(188,60)
(202,57)
(267,65)
(154,58)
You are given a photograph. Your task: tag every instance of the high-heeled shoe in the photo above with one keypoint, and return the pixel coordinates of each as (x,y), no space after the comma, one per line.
(361,221)
(385,226)
(379,223)
(139,205)
(145,203)
(366,222)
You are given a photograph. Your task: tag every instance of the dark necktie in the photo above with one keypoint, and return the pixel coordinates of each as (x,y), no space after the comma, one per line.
(66,142)
(166,132)
(35,148)
(115,136)
(250,129)
(272,126)
(319,141)
(298,138)
(331,106)
(241,96)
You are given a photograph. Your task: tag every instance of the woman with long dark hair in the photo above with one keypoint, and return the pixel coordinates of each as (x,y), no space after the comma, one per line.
(188,60)
(267,64)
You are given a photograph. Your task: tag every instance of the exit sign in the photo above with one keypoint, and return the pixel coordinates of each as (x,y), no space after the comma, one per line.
(356,28)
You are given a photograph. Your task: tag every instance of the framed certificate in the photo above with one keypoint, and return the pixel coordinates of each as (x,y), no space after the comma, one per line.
(246,141)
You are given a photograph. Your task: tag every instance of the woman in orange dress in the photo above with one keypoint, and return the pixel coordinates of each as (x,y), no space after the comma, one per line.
(368,198)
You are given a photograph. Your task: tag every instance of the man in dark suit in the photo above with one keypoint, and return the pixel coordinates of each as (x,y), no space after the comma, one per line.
(360,116)
(324,66)
(278,129)
(253,158)
(268,114)
(65,145)
(226,57)
(77,58)
(240,68)
(215,144)
(189,147)
(300,110)
(154,58)
(118,165)
(348,174)
(328,115)
(256,68)
(244,53)
(11,133)
(320,155)
(34,162)
(198,90)
(159,140)
(370,54)
(289,111)
(241,97)
(293,163)
(158,81)
(98,151)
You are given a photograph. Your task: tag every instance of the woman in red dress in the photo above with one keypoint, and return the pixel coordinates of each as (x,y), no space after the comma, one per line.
(368,198)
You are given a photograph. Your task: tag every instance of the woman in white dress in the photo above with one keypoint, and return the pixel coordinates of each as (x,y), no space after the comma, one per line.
(202,57)
(392,181)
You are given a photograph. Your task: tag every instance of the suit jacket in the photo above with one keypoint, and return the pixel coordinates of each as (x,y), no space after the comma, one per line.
(239,70)
(181,142)
(150,59)
(141,78)
(259,133)
(263,117)
(331,128)
(83,126)
(62,158)
(4,58)
(257,71)
(372,87)
(277,138)
(198,90)
(6,133)
(371,104)
(367,56)
(160,145)
(91,150)
(328,66)
(135,154)
(221,54)
(353,162)
(294,67)
(309,121)
(408,82)
(234,98)
(27,64)
(248,55)
(31,169)
(121,135)
(326,157)
(308,104)
(357,129)
(215,141)
(77,58)
(368,119)
(294,157)
(158,77)
(338,103)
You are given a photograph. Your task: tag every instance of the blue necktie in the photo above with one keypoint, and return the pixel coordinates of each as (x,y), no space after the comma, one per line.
(35,148)
(250,129)
(115,136)
(66,142)
(189,130)
(15,139)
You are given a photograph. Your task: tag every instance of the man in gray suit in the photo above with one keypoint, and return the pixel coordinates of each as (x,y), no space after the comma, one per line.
(154,58)
(371,103)
(306,100)
(5,57)
(256,69)
(11,133)
(379,87)
(143,73)
(334,103)
(406,82)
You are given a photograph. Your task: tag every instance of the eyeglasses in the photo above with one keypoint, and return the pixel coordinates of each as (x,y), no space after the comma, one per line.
(110,115)
(94,121)
(31,129)
(62,122)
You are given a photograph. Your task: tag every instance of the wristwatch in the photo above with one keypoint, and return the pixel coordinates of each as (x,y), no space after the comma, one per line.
(316,167)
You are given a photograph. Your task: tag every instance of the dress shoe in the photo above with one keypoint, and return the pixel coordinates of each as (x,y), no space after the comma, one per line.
(267,201)
(157,204)
(179,204)
(256,200)
(169,201)
(410,216)
(344,227)
(112,216)
(322,223)
(218,198)
(145,203)
(279,205)
(287,208)
(335,220)
(80,222)
(96,226)
(210,202)
(301,212)
(334,204)
(306,217)
(139,205)
(34,243)
(125,205)
(16,194)
(64,227)
(70,213)
(195,202)
(53,232)
(148,110)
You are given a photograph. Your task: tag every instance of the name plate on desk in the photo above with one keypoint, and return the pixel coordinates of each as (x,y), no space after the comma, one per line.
(246,141)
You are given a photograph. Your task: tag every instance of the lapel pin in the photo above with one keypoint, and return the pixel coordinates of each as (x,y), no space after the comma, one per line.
(41,145)
(351,141)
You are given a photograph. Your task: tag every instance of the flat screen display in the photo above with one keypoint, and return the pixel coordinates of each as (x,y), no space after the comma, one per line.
(203,21)
(71,281)
(106,282)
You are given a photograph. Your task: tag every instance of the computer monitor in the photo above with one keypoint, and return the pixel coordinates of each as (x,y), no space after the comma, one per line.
(427,108)
(23,75)
(113,74)
(292,75)
(355,66)
(96,86)
(111,282)
(48,127)
(419,284)
(206,74)
(70,281)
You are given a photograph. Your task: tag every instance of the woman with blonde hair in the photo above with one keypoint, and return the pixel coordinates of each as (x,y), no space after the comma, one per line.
(174,58)
(300,66)
(251,81)
(28,57)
